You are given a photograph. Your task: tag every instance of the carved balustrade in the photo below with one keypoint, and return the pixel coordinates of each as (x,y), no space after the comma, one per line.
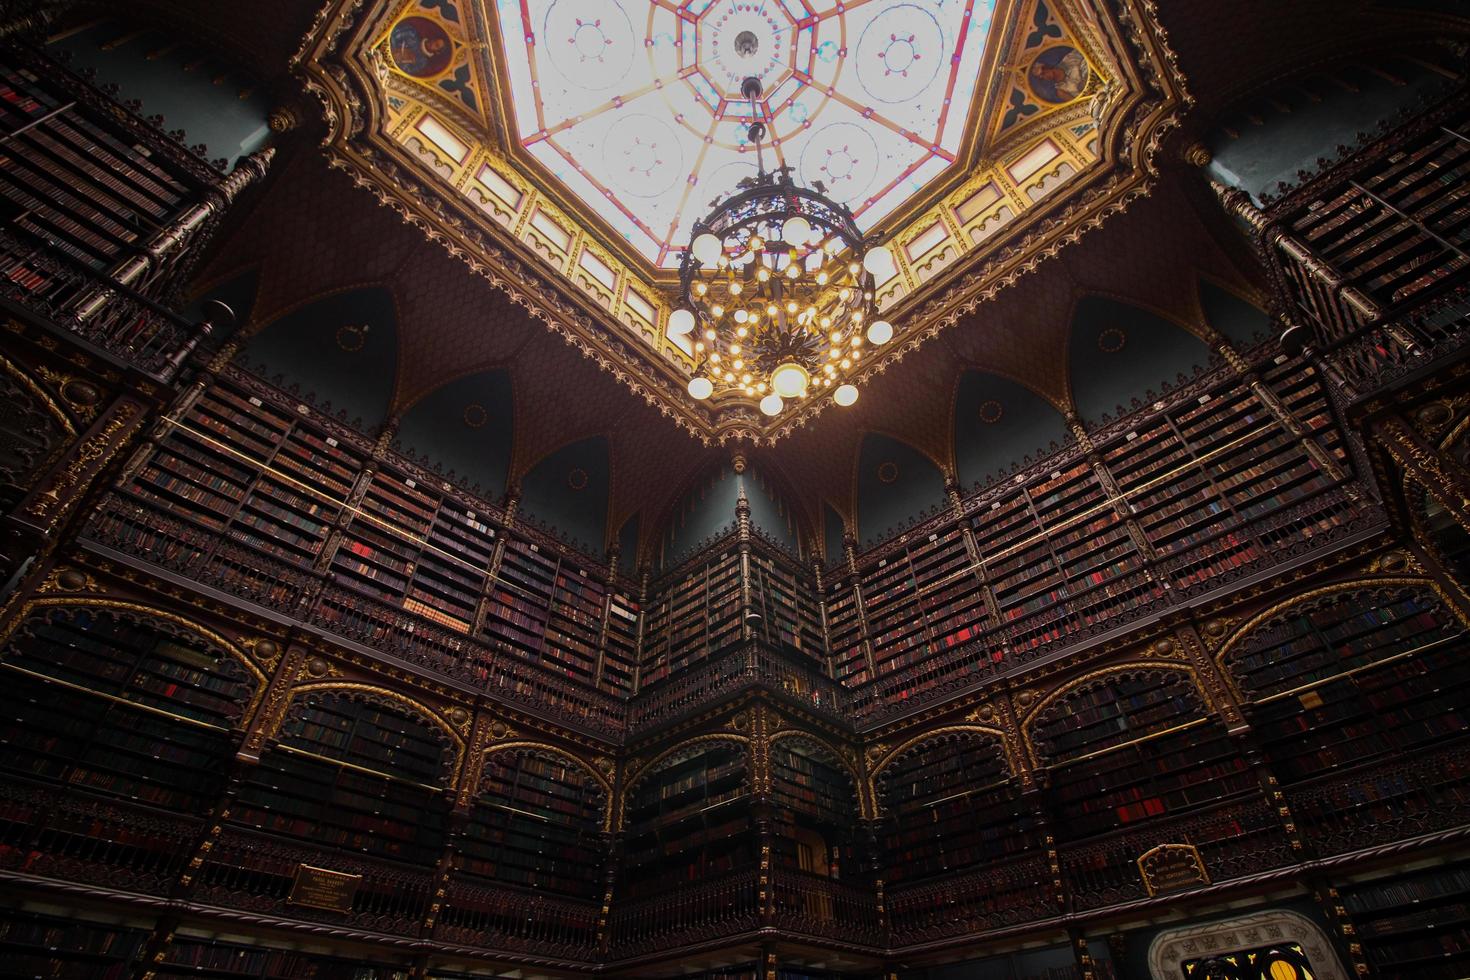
(483,917)
(710,909)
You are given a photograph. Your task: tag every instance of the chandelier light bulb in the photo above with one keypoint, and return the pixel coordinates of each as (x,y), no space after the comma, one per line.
(740,317)
(772,404)
(845,395)
(681,322)
(880,332)
(763,274)
(757,243)
(701,388)
(790,380)
(879,262)
(736,289)
(796,230)
(707,249)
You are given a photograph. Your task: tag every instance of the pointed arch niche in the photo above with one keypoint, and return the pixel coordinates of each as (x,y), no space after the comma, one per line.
(896,485)
(464,429)
(340,351)
(1118,353)
(998,425)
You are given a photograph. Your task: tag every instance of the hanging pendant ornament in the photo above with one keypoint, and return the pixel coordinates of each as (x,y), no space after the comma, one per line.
(777,290)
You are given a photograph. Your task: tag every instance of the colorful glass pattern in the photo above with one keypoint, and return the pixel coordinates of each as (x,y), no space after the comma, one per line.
(635,105)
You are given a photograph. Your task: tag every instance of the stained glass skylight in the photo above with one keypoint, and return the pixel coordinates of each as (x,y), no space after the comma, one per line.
(635,105)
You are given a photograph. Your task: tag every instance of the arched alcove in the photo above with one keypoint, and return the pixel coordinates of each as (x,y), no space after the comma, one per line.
(1372,677)
(1238,321)
(707,510)
(464,430)
(999,424)
(1117,353)
(536,822)
(682,821)
(355,772)
(896,485)
(961,851)
(341,351)
(125,705)
(568,492)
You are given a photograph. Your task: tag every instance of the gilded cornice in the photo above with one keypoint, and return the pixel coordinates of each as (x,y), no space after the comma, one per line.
(1134,112)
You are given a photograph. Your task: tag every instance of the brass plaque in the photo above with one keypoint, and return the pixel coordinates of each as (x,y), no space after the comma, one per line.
(1172,868)
(318,888)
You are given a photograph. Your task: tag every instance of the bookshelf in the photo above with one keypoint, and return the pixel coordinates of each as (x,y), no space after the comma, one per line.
(77,176)
(33,944)
(620,641)
(951,804)
(1135,747)
(785,597)
(686,821)
(695,613)
(1343,691)
(120,709)
(1414,925)
(816,809)
(536,824)
(845,631)
(352,775)
(188,956)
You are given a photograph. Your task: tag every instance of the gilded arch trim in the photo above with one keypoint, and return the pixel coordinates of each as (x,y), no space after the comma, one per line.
(417,708)
(478,775)
(225,646)
(1244,631)
(40,394)
(1028,721)
(635,776)
(867,806)
(1007,747)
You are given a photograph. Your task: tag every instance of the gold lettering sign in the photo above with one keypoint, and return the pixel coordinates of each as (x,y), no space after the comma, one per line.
(318,888)
(1172,868)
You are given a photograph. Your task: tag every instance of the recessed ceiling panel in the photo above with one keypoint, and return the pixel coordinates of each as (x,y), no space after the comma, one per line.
(635,105)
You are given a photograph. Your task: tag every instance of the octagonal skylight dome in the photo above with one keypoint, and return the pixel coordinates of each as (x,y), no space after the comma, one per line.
(635,105)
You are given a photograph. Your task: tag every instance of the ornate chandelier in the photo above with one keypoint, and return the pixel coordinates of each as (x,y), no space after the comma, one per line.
(777,291)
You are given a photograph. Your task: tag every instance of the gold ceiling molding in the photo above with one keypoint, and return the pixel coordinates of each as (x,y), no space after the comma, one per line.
(1028,187)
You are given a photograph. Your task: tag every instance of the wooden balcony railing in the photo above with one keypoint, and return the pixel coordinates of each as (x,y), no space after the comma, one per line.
(480,917)
(818,906)
(253,872)
(51,832)
(1003,894)
(724,906)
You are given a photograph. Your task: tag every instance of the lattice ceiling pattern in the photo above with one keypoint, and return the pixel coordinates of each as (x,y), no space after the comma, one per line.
(635,105)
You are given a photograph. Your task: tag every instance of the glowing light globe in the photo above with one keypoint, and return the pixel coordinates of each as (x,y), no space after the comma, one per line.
(772,404)
(845,395)
(707,249)
(681,322)
(790,380)
(796,230)
(879,262)
(880,332)
(701,388)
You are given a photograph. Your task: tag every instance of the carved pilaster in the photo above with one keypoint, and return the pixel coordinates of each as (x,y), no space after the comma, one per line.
(742,524)
(1343,932)
(1212,679)
(272,708)
(57,493)
(1438,473)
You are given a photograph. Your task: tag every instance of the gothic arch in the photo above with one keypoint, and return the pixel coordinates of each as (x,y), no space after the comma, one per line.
(390,699)
(949,733)
(162,620)
(1098,678)
(545,750)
